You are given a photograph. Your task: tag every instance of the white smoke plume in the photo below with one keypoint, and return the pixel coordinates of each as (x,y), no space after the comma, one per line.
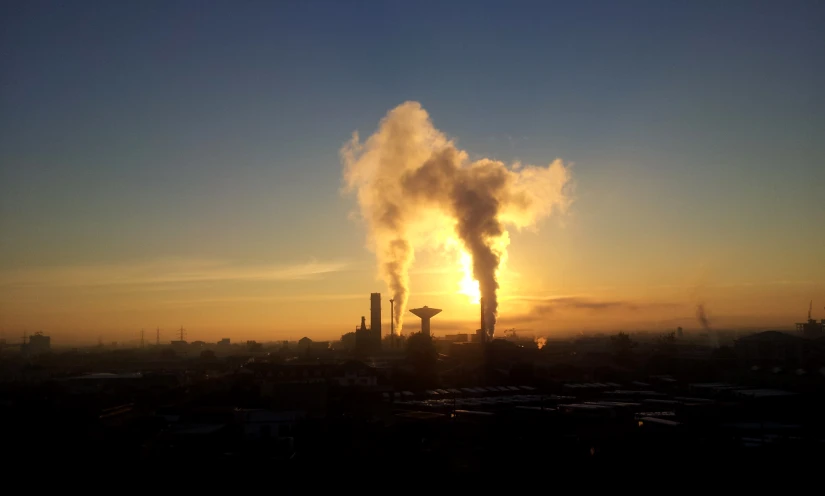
(417,190)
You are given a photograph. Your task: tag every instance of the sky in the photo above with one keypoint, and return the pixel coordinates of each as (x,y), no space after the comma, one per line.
(175,163)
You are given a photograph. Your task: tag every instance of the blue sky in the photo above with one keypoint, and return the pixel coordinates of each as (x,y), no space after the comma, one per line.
(132,131)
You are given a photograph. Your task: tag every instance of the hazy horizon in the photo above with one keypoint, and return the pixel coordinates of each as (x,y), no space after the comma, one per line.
(167,164)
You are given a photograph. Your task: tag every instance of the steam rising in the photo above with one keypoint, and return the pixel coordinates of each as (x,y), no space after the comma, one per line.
(702,317)
(417,190)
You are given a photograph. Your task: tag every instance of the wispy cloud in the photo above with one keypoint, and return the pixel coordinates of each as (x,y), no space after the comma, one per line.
(576,303)
(167,271)
(544,307)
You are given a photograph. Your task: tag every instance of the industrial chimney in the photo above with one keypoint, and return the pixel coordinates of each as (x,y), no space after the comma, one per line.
(483,328)
(375,320)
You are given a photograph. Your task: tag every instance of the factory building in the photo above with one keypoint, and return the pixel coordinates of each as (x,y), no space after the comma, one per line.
(811,329)
(368,339)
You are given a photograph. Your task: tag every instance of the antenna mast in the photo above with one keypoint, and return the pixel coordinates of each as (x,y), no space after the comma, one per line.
(810,307)
(182,332)
(157,336)
(142,343)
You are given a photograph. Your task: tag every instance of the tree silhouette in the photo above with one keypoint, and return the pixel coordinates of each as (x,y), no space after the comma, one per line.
(422,355)
(622,345)
(421,348)
(667,343)
(348,341)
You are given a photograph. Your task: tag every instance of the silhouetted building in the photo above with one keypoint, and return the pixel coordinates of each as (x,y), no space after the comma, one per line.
(811,329)
(362,337)
(224,342)
(368,339)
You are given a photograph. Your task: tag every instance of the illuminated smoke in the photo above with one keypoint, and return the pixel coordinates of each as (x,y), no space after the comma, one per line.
(541,342)
(417,190)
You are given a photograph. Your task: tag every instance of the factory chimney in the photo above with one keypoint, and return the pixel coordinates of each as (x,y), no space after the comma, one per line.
(482,336)
(375,320)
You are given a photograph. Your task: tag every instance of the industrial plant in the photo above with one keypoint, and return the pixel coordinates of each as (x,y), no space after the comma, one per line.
(369,339)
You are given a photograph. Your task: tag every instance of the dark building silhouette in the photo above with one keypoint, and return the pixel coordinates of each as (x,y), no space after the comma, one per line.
(362,337)
(811,329)
(368,339)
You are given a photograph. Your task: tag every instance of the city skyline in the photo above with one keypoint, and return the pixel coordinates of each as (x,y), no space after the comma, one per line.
(159,168)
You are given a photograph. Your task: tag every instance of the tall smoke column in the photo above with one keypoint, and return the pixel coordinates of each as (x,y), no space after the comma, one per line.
(374,169)
(417,190)
(703,319)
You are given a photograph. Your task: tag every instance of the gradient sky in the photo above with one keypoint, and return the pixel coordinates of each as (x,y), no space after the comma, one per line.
(176,163)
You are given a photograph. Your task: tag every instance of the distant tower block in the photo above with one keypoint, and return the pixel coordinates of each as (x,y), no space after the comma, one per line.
(425,313)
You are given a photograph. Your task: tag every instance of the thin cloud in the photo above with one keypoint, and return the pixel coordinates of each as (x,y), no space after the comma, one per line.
(549,307)
(544,307)
(160,272)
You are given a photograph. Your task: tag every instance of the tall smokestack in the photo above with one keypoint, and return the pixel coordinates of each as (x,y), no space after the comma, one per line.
(483,329)
(375,319)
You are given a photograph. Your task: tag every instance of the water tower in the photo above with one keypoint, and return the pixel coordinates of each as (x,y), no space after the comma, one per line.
(425,313)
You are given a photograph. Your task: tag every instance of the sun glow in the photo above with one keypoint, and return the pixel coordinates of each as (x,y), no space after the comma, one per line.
(467,285)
